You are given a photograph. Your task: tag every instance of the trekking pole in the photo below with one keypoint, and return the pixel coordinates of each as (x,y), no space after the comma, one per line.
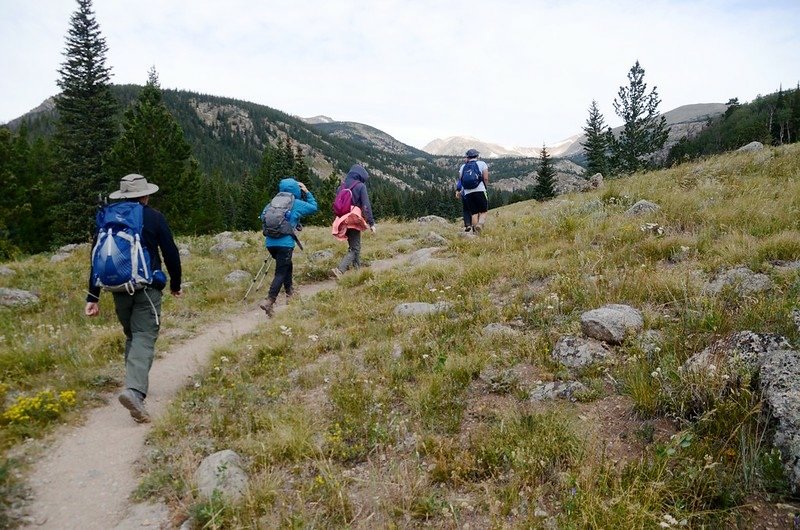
(253,282)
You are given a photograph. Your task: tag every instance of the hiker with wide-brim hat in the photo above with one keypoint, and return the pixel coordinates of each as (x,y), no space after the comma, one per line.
(133,186)
(139,308)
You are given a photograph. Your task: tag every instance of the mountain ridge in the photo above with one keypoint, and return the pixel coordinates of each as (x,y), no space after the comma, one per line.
(684,120)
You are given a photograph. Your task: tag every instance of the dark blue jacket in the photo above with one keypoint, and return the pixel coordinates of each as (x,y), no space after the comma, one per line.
(301,208)
(357,173)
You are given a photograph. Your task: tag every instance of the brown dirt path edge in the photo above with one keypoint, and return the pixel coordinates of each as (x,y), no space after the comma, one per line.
(86,478)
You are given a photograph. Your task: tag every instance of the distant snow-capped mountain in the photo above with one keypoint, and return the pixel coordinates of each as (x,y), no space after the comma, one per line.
(683,121)
(458,145)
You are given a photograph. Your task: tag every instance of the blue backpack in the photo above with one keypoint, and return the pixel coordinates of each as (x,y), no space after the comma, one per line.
(471,175)
(119,261)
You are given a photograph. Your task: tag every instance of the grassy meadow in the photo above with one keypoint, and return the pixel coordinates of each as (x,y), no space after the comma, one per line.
(348,416)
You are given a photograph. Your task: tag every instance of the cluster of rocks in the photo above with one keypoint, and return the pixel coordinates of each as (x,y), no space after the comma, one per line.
(775,365)
(608,325)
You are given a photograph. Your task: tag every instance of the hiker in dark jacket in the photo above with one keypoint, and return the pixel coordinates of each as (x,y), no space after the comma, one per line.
(281,248)
(140,312)
(356,180)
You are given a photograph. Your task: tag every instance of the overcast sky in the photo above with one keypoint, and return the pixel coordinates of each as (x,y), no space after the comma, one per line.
(513,72)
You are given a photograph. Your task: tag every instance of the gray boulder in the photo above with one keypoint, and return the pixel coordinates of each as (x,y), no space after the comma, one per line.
(495,328)
(557,389)
(223,472)
(595,181)
(752,146)
(650,341)
(744,282)
(779,376)
(577,352)
(612,323)
(16,297)
(412,309)
(400,243)
(64,253)
(423,256)
(66,249)
(226,245)
(435,239)
(7,271)
(183,250)
(777,365)
(743,348)
(642,207)
(237,276)
(433,219)
(322,255)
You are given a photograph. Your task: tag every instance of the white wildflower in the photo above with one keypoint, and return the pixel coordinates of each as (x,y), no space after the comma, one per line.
(313,338)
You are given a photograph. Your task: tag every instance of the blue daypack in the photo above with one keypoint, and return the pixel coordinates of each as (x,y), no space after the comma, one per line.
(119,261)
(471,175)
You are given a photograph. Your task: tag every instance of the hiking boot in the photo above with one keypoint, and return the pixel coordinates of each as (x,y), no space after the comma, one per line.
(131,401)
(267,305)
(336,272)
(477,229)
(467,229)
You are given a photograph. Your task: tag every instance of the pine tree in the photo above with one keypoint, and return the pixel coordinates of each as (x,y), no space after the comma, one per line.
(87,126)
(644,131)
(795,119)
(596,144)
(28,194)
(153,145)
(545,177)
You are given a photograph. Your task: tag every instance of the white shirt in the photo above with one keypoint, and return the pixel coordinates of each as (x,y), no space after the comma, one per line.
(482,166)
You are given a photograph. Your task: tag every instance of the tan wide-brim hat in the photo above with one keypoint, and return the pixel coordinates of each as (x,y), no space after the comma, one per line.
(132,186)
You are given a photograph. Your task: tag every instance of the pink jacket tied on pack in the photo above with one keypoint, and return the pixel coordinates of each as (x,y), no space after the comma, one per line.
(353,220)
(360,216)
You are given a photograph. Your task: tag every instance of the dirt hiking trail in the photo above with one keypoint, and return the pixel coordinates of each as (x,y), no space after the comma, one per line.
(85,479)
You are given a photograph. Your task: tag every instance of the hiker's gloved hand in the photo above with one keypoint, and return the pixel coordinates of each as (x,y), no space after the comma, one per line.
(92,309)
(373,228)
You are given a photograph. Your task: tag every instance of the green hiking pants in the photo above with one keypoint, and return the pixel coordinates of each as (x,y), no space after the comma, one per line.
(140,315)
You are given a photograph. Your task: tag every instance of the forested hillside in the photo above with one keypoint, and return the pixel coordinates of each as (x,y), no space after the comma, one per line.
(773,119)
(217,160)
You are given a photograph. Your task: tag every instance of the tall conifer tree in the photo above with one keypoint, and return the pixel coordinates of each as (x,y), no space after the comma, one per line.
(644,131)
(87,126)
(596,144)
(153,145)
(545,177)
